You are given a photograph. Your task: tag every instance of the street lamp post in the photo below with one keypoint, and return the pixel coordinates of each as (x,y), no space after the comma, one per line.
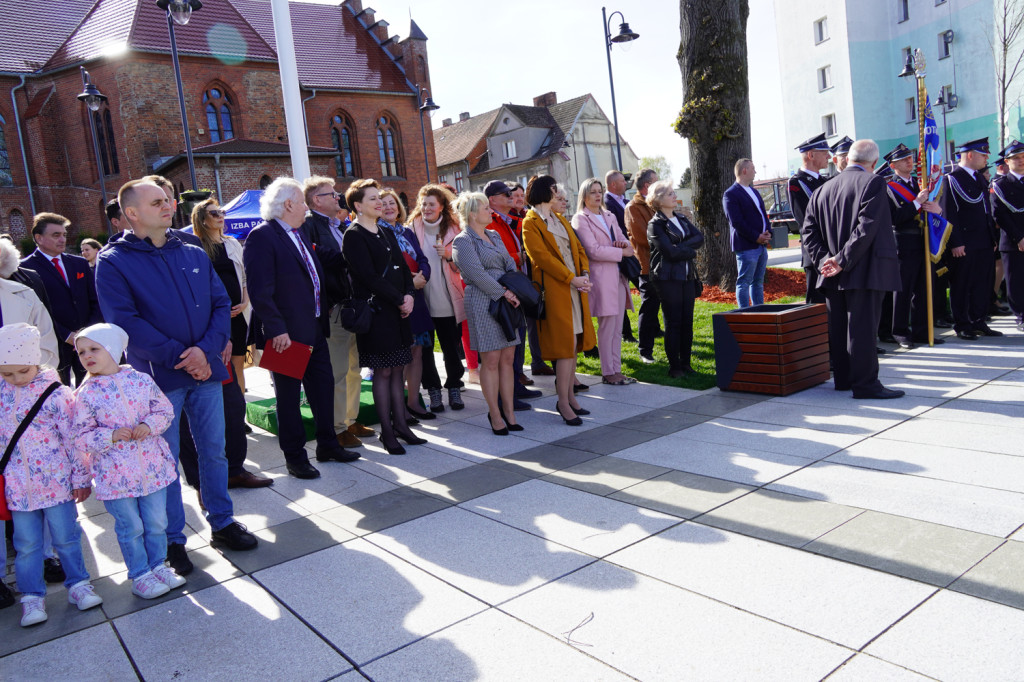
(94,99)
(179,12)
(624,35)
(426,104)
(947,104)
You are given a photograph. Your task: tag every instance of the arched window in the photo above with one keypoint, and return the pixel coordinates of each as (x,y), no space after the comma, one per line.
(217,103)
(388,147)
(265,182)
(18,229)
(6,179)
(343,139)
(105,138)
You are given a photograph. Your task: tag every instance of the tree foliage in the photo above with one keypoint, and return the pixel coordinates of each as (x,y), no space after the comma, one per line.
(686,179)
(657,163)
(715,118)
(1008,51)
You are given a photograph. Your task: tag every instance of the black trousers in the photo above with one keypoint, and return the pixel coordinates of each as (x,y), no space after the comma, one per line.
(677,307)
(1013,273)
(813,295)
(885,318)
(236,447)
(909,305)
(647,318)
(318,383)
(69,364)
(970,288)
(449,335)
(852,324)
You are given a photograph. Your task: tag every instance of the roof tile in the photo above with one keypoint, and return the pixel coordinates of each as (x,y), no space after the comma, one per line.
(455,142)
(28,42)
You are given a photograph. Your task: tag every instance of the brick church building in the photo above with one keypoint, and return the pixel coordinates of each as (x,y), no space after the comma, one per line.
(358,86)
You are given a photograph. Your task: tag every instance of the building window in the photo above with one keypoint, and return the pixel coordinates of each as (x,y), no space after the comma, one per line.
(943,46)
(6,179)
(508,149)
(265,182)
(911,109)
(442,179)
(824,78)
(218,114)
(458,181)
(828,124)
(106,141)
(19,230)
(388,147)
(902,10)
(343,139)
(821,30)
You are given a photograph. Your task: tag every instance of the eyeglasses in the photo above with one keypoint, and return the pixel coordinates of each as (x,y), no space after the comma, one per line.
(328,194)
(215,212)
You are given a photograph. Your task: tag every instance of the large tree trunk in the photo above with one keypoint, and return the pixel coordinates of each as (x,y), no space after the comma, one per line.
(715,118)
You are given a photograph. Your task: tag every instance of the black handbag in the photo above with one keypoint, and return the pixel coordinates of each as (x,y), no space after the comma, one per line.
(356,315)
(522,286)
(630,268)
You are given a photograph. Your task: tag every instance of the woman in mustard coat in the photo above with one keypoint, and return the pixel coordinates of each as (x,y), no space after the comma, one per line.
(561,268)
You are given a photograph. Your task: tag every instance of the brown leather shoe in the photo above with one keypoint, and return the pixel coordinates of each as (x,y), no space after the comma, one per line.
(347,440)
(247,479)
(525,380)
(358,429)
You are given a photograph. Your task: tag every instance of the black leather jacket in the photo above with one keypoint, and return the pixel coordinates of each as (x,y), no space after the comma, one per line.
(672,251)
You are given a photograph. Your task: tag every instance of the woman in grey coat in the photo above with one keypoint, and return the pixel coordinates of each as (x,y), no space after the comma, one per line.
(482,258)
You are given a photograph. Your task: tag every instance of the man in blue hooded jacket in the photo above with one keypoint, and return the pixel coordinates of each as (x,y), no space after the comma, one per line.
(169,299)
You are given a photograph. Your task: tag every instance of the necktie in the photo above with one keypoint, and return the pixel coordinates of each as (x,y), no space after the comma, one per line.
(56,264)
(310,269)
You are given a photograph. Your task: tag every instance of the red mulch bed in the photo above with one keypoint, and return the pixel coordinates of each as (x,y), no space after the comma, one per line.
(777,284)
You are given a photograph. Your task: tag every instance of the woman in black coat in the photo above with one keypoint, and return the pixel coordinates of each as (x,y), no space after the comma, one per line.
(378,270)
(674,242)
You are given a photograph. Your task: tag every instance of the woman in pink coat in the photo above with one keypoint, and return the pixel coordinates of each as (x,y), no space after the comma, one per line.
(606,246)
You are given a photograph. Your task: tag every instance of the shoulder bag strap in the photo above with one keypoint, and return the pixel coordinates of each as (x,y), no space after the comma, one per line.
(33,411)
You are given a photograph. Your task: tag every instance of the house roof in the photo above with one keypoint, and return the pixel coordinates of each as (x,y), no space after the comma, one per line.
(455,142)
(241,147)
(333,49)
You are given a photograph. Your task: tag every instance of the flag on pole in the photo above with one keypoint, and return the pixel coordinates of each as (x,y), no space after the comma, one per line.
(938,227)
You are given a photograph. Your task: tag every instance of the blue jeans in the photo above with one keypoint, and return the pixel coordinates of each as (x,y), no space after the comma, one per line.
(751,265)
(28,543)
(141,527)
(204,405)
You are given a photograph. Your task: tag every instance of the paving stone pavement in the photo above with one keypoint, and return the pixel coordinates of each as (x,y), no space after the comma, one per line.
(677,535)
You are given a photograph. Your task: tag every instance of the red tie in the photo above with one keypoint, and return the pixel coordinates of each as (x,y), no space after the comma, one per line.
(56,264)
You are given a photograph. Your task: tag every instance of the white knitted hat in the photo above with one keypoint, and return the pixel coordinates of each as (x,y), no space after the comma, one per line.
(110,336)
(19,344)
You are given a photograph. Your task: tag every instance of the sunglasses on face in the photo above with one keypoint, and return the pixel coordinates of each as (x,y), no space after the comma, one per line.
(215,213)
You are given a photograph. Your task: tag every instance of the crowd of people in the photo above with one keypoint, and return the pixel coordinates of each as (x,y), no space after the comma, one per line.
(123,363)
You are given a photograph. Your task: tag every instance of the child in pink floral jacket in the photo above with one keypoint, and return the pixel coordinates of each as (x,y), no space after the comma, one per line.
(119,417)
(42,480)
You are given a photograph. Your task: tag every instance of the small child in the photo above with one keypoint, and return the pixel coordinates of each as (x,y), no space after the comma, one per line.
(43,480)
(119,416)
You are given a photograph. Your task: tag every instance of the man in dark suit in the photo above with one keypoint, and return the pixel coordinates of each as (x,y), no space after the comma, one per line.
(285,282)
(847,233)
(964,199)
(1008,209)
(69,287)
(749,232)
(814,154)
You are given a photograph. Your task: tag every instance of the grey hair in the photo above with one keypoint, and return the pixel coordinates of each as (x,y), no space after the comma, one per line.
(274,196)
(645,177)
(468,203)
(658,190)
(9,258)
(863,151)
(581,200)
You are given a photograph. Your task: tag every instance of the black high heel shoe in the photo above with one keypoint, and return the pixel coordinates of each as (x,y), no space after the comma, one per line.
(575,421)
(498,432)
(581,412)
(396,450)
(411,438)
(511,427)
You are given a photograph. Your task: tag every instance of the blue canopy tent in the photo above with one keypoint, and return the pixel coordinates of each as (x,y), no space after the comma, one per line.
(241,214)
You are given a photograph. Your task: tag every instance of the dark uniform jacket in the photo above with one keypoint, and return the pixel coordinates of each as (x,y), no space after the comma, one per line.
(801,186)
(965,204)
(1008,209)
(906,218)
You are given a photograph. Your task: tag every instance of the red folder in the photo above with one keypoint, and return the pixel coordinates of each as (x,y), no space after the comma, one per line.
(291,363)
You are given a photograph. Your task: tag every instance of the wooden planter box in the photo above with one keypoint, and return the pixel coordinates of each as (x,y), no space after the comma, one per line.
(774,349)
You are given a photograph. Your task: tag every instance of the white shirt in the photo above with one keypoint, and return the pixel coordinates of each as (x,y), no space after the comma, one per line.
(753,197)
(621,200)
(813,174)
(306,258)
(1020,178)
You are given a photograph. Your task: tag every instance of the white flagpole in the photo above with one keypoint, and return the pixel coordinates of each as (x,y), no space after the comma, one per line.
(290,89)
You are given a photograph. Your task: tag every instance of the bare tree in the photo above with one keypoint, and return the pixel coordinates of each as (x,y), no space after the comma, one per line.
(715,118)
(1009,57)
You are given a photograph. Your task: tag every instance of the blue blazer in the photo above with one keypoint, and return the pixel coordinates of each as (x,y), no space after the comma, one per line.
(73,306)
(746,219)
(280,288)
(617,210)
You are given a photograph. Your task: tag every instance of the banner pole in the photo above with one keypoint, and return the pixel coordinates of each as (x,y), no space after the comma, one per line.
(924,180)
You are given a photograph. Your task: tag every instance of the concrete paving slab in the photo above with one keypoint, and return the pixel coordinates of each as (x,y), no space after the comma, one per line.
(854,420)
(1004,472)
(931,388)
(661,421)
(287,541)
(647,395)
(682,494)
(780,518)
(605,475)
(826,396)
(1012,378)
(840,602)
(544,424)
(542,459)
(219,619)
(259,508)
(923,551)
(419,464)
(1004,440)
(468,483)
(382,511)
(585,522)
(715,403)
(64,619)
(655,631)
(957,637)
(604,440)
(368,602)
(338,484)
(749,466)
(98,656)
(787,440)
(1004,395)
(863,667)
(492,561)
(998,577)
(100,549)
(470,442)
(980,413)
(982,510)
(902,370)
(467,651)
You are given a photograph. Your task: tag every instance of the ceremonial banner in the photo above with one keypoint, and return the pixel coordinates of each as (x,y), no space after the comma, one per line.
(938,227)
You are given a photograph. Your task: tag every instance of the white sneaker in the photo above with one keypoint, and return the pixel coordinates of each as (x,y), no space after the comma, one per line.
(33,611)
(148,586)
(168,577)
(82,596)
